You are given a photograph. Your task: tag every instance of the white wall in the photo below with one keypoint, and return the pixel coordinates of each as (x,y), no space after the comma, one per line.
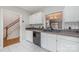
(1,28)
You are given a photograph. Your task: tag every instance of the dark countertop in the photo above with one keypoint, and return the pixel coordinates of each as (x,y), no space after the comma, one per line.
(65,33)
(72,34)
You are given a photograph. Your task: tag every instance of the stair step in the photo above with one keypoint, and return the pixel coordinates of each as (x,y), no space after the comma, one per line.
(8,42)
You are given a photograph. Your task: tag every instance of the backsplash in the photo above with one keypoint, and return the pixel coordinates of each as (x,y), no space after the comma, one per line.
(73,25)
(35,26)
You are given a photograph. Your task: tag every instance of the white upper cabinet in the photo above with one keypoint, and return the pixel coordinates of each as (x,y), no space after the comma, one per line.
(71,14)
(31,19)
(36,18)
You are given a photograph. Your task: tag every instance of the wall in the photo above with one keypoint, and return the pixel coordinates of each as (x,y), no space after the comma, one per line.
(1,28)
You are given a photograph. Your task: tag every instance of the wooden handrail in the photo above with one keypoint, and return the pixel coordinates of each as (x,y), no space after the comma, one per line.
(10,25)
(6,32)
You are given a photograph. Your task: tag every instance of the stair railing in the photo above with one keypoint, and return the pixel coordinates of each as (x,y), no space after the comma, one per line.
(10,25)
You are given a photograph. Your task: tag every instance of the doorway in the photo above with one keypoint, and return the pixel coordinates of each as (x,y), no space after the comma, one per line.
(11,30)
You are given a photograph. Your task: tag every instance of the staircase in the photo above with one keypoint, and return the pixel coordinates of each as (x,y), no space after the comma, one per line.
(6,41)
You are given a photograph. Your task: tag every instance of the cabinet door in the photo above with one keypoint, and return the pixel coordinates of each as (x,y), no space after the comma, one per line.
(29,36)
(38,18)
(31,19)
(68,14)
(71,14)
(51,42)
(43,40)
(48,41)
(64,45)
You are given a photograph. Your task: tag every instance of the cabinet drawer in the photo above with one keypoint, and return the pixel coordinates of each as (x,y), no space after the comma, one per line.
(67,46)
(75,39)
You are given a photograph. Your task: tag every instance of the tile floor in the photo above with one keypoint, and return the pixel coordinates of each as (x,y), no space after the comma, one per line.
(24,46)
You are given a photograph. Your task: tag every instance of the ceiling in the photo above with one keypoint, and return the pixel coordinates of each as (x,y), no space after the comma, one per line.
(32,9)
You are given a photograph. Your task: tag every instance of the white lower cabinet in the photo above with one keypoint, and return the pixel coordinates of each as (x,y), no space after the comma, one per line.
(48,41)
(43,40)
(59,43)
(29,35)
(64,44)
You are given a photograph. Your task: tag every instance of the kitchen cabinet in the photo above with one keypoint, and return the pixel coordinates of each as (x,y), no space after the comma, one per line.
(39,18)
(59,43)
(71,14)
(32,19)
(48,41)
(51,42)
(29,35)
(43,40)
(36,18)
(67,44)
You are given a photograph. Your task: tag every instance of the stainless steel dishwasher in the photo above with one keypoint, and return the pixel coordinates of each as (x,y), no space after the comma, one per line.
(37,38)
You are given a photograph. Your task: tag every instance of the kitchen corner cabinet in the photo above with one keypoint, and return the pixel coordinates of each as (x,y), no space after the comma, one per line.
(36,18)
(48,42)
(67,44)
(29,35)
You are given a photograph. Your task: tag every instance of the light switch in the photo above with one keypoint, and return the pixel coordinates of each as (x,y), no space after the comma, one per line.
(22,21)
